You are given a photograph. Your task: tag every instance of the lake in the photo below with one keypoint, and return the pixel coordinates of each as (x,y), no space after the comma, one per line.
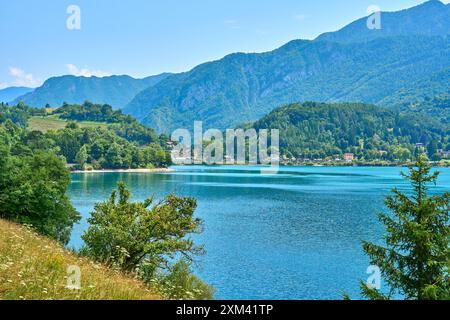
(292,235)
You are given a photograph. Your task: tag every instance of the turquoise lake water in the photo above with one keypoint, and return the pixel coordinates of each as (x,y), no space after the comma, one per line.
(292,235)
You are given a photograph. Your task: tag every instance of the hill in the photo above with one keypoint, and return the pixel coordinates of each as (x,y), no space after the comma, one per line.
(33,267)
(318,130)
(115,90)
(89,136)
(437,107)
(244,87)
(11,93)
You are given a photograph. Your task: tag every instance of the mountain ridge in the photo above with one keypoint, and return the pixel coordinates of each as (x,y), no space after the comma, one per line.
(10,93)
(243,87)
(396,23)
(116,90)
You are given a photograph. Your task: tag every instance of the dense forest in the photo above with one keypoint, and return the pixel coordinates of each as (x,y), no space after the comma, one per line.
(317,131)
(437,107)
(121,143)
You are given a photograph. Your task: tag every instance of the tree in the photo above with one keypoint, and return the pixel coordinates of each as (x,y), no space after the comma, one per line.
(113,156)
(82,156)
(432,148)
(145,241)
(133,236)
(33,187)
(415,262)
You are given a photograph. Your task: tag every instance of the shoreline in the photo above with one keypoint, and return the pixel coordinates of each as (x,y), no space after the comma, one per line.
(168,170)
(155,170)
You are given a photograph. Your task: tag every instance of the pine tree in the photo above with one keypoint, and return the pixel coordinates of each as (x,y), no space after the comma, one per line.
(415,262)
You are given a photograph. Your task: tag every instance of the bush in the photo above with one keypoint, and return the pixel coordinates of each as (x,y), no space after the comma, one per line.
(180,284)
(137,238)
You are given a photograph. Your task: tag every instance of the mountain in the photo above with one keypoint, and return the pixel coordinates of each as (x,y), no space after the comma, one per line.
(11,93)
(415,20)
(319,130)
(436,84)
(114,90)
(243,87)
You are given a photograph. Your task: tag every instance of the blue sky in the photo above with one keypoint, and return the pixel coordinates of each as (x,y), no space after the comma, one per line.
(146,37)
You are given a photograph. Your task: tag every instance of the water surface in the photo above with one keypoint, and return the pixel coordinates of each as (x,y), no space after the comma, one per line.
(292,235)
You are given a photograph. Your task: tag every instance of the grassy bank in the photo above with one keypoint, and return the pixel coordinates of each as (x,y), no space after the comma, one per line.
(34,267)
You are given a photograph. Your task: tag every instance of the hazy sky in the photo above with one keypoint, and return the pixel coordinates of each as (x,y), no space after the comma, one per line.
(146,37)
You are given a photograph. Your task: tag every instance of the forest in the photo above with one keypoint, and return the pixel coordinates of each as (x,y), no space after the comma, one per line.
(118,142)
(319,130)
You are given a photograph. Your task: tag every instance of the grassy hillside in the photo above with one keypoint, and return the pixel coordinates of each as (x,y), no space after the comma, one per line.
(47,123)
(34,267)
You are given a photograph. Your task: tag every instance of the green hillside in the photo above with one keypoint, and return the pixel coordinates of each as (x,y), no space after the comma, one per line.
(90,136)
(318,130)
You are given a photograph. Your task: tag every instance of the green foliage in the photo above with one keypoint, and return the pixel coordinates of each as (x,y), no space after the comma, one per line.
(318,130)
(416,259)
(120,143)
(18,114)
(180,284)
(92,112)
(130,234)
(82,156)
(437,107)
(124,126)
(146,237)
(104,149)
(33,184)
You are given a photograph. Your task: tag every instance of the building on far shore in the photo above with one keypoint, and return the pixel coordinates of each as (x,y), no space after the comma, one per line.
(443,153)
(349,157)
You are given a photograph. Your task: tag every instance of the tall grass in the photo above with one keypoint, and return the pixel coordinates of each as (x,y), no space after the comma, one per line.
(34,267)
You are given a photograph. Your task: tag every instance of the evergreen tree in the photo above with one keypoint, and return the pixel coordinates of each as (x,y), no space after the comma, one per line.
(415,262)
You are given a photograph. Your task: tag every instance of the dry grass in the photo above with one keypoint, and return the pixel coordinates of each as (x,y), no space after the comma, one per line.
(45,124)
(33,267)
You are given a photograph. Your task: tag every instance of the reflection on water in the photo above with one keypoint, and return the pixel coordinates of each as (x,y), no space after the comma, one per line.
(293,235)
